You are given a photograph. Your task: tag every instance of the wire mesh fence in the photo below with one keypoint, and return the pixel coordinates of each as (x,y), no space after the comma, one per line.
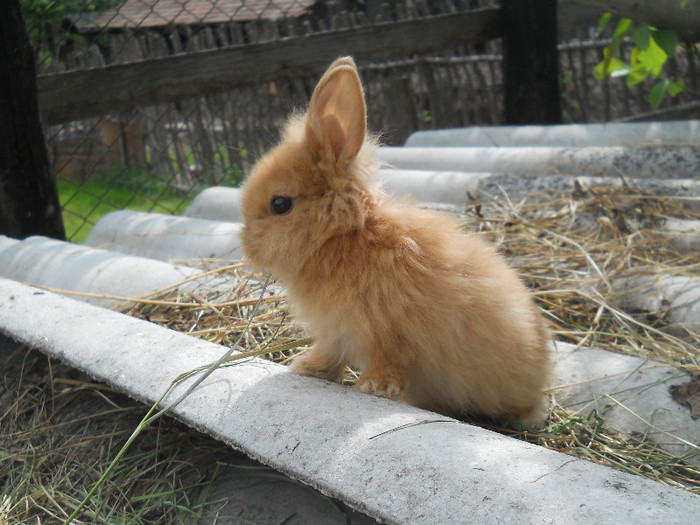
(158,156)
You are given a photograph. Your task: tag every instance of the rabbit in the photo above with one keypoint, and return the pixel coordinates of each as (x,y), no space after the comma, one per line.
(430,314)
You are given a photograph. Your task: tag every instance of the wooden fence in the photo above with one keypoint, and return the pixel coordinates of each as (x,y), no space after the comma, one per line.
(204,114)
(208,110)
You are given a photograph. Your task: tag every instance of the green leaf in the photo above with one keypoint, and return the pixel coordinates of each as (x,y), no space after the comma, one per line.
(676,87)
(603,22)
(656,95)
(653,58)
(623,26)
(641,35)
(610,50)
(637,74)
(634,56)
(598,71)
(606,67)
(666,40)
(684,3)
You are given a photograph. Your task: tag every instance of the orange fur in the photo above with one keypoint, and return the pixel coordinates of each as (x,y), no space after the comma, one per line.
(430,314)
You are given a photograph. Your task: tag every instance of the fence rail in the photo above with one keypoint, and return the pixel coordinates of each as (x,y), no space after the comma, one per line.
(157,113)
(92,92)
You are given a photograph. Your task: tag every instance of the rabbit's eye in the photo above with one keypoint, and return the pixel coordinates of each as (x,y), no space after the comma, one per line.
(281,205)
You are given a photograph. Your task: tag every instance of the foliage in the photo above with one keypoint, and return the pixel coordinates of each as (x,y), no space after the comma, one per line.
(49,23)
(652,49)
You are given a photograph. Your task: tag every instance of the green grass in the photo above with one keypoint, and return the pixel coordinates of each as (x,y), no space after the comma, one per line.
(86,203)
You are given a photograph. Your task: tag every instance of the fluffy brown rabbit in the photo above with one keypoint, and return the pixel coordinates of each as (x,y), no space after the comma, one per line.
(430,314)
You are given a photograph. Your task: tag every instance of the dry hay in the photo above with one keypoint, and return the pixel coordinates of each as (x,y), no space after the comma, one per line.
(572,247)
(59,429)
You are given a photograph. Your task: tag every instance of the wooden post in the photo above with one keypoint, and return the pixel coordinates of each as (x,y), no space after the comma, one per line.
(531,62)
(398,115)
(28,196)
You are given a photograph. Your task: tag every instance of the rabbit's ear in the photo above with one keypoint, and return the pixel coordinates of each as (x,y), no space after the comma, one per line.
(336,119)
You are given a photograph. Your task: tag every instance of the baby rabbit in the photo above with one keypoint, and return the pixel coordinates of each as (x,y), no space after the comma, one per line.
(430,314)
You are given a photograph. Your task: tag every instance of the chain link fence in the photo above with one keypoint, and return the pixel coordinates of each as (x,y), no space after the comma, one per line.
(157,157)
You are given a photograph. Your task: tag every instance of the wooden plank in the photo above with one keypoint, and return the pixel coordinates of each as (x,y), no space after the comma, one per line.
(81,94)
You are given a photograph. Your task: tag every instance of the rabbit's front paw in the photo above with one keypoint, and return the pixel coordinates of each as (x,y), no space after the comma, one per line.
(310,365)
(385,384)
